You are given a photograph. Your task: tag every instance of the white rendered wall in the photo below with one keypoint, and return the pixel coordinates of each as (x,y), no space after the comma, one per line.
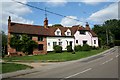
(87,37)
(95,38)
(59,39)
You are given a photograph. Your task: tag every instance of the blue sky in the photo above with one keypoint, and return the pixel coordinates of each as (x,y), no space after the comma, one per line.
(91,11)
(81,10)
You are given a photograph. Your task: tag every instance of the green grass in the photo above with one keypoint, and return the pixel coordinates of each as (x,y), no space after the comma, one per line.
(51,56)
(10,67)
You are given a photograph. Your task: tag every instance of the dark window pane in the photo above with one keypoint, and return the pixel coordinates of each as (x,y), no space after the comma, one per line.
(54,43)
(76,41)
(84,42)
(82,32)
(40,38)
(40,47)
(94,41)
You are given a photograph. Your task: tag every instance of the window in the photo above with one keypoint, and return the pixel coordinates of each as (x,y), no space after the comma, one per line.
(40,38)
(58,32)
(94,41)
(68,33)
(60,43)
(67,42)
(49,44)
(84,42)
(40,47)
(70,43)
(76,41)
(82,32)
(54,43)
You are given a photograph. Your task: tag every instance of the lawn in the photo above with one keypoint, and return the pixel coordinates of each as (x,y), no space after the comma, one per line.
(10,67)
(53,57)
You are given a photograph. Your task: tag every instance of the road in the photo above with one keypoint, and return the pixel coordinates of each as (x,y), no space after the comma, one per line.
(102,66)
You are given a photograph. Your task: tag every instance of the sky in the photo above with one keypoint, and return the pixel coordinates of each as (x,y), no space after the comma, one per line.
(91,11)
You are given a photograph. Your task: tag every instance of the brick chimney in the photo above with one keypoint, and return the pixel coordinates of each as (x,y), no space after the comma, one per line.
(46,23)
(9,23)
(87,26)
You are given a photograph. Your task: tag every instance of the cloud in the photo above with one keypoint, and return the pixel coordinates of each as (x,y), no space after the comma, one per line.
(93,2)
(55,3)
(70,22)
(110,12)
(16,11)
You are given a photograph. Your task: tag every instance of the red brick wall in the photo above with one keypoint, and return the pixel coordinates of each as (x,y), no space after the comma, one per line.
(44,42)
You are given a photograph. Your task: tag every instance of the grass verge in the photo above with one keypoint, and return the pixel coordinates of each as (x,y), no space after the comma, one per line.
(10,67)
(56,57)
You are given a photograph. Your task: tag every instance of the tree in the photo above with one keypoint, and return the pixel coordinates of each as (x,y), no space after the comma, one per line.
(4,43)
(108,31)
(23,43)
(57,25)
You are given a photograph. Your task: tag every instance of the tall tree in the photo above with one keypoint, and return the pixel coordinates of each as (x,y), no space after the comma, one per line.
(108,31)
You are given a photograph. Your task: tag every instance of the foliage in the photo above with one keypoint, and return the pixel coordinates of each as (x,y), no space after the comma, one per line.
(4,43)
(23,43)
(94,48)
(57,48)
(69,48)
(117,42)
(86,47)
(78,48)
(56,25)
(110,28)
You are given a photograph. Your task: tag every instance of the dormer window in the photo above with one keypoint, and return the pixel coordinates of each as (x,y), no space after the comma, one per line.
(58,32)
(68,33)
(82,32)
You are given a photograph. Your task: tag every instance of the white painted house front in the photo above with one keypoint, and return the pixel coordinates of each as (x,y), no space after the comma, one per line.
(86,37)
(62,41)
(78,35)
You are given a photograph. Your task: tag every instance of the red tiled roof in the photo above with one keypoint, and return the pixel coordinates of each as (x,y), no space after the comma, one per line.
(40,30)
(28,29)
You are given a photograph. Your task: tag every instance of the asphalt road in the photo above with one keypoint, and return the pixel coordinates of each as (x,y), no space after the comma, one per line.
(102,66)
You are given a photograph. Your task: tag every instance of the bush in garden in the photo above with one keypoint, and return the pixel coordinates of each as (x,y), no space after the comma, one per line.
(78,48)
(117,42)
(86,47)
(69,48)
(57,48)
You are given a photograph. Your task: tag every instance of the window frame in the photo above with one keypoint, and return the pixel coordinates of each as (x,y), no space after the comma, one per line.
(40,38)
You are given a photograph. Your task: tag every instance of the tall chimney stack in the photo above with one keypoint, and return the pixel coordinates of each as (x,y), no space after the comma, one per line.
(46,23)
(87,26)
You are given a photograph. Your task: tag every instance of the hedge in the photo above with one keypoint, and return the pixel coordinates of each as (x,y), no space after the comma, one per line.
(57,48)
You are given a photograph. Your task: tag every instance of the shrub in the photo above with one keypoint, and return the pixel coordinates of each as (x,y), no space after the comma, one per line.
(78,48)
(94,48)
(117,42)
(69,48)
(86,47)
(57,48)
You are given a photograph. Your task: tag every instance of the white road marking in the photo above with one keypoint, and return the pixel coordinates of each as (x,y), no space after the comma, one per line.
(107,61)
(78,73)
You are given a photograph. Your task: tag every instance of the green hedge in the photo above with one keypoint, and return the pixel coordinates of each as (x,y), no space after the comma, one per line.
(57,49)
(78,48)
(117,42)
(69,48)
(86,47)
